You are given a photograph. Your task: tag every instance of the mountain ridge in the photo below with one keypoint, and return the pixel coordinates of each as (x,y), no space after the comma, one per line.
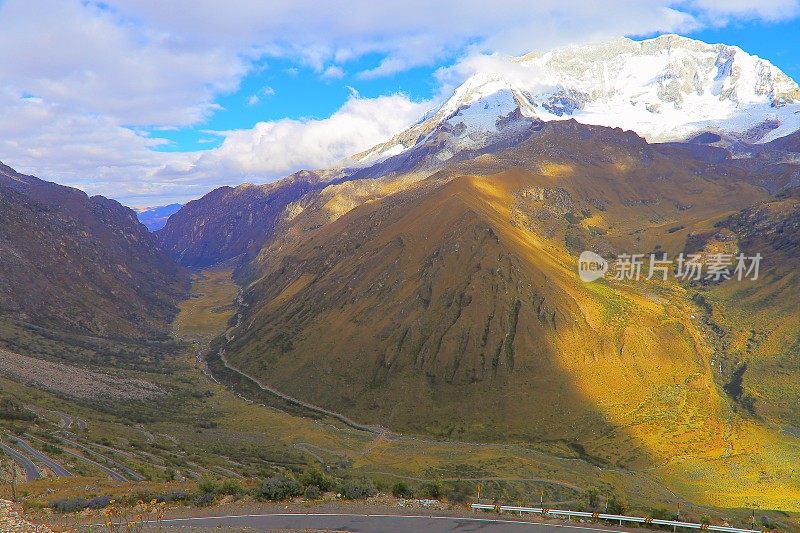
(230,223)
(666,89)
(491,112)
(81,265)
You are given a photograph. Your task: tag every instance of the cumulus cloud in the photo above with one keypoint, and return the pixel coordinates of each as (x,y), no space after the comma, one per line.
(276,148)
(92,152)
(93,62)
(82,79)
(102,158)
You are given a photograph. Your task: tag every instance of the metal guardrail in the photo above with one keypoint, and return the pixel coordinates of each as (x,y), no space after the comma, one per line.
(603,516)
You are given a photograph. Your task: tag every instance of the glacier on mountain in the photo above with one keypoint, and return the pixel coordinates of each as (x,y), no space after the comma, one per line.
(669,88)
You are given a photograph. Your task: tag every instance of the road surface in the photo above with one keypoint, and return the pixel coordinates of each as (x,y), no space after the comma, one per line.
(116,464)
(370,524)
(116,476)
(31,471)
(66,420)
(57,469)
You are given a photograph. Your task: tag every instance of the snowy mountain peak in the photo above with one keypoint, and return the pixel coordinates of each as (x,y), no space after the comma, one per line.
(665,70)
(667,88)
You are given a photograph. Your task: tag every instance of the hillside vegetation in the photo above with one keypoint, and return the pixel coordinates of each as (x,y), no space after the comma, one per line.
(453,308)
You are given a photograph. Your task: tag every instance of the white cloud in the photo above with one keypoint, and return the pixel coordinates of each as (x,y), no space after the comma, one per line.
(81,79)
(333,72)
(102,158)
(419,32)
(501,65)
(254,99)
(277,148)
(92,62)
(88,151)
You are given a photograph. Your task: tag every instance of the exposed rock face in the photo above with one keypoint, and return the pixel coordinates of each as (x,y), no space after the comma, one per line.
(75,382)
(773,226)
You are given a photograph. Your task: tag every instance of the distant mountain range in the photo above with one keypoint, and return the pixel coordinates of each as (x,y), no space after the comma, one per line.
(155,218)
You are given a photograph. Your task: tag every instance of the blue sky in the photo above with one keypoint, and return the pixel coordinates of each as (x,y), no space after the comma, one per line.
(778,42)
(157,102)
(287,90)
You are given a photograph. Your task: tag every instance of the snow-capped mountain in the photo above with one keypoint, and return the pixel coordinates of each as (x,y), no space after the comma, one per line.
(666,89)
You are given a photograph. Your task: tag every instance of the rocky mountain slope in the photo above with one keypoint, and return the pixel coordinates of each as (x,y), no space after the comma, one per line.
(79,266)
(230,223)
(451,305)
(462,287)
(757,321)
(432,287)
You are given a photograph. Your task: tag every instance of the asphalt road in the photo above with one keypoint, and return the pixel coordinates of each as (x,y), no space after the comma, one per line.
(116,464)
(368,524)
(116,476)
(66,421)
(57,469)
(31,471)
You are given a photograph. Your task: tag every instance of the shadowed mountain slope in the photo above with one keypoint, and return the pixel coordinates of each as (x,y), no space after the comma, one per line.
(79,266)
(230,223)
(457,292)
(756,321)
(453,307)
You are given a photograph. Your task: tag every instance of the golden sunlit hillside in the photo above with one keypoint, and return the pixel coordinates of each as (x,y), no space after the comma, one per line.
(453,308)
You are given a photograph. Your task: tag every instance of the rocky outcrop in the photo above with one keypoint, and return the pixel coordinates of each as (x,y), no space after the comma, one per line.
(12,520)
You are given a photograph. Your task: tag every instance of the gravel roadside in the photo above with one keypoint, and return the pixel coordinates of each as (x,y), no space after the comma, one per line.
(12,521)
